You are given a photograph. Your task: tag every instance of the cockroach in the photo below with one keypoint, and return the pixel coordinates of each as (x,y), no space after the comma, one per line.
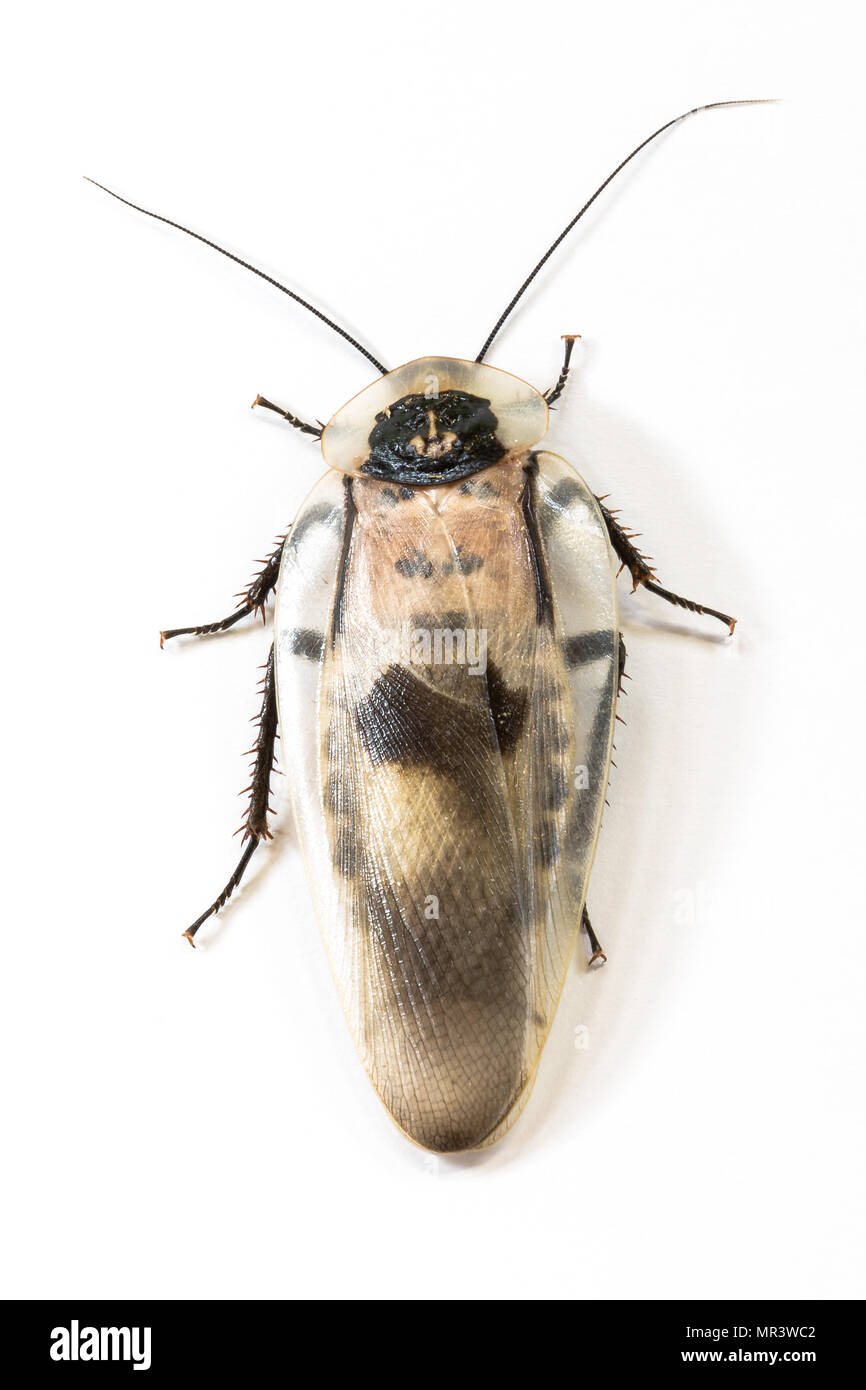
(445,669)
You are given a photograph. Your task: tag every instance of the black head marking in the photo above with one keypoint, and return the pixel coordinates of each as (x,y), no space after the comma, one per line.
(433,439)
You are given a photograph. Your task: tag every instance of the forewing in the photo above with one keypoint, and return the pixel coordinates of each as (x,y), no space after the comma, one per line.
(562,767)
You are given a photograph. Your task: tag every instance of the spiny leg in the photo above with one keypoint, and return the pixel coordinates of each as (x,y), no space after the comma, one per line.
(643,572)
(255,826)
(255,597)
(598,956)
(595,644)
(314,430)
(622,673)
(553,395)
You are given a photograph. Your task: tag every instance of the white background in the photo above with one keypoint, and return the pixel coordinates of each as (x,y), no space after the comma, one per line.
(183,1123)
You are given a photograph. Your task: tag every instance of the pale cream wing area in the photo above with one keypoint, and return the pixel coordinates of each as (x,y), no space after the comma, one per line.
(446,718)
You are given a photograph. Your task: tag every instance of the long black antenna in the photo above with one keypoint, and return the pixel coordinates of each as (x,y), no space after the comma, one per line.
(712,106)
(246,265)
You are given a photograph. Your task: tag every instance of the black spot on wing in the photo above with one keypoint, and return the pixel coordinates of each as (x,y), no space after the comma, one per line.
(562,494)
(508,707)
(556,790)
(322,514)
(589,646)
(552,504)
(547,846)
(413,563)
(453,618)
(305,642)
(465,562)
(393,496)
(417,562)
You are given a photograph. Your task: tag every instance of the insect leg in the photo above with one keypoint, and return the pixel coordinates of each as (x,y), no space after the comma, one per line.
(623,657)
(590,650)
(598,955)
(314,430)
(255,597)
(643,572)
(255,826)
(556,391)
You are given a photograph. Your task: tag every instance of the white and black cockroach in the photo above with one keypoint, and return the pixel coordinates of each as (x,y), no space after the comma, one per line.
(445,669)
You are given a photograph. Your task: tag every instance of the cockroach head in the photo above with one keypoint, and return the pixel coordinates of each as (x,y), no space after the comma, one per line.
(434,421)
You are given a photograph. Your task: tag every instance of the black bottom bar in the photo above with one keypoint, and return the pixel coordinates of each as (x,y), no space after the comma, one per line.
(78,1338)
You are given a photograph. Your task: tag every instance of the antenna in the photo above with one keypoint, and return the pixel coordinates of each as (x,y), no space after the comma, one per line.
(246,265)
(712,106)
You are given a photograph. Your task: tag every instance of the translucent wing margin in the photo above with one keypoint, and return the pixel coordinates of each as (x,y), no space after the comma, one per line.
(567,760)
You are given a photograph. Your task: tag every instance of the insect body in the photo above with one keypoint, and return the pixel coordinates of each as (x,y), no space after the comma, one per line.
(456,727)
(445,670)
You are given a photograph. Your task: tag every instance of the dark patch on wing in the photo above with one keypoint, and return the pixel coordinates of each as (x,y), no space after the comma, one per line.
(391,498)
(508,707)
(322,514)
(407,721)
(304,641)
(451,618)
(556,790)
(562,494)
(547,845)
(589,646)
(412,563)
(464,562)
